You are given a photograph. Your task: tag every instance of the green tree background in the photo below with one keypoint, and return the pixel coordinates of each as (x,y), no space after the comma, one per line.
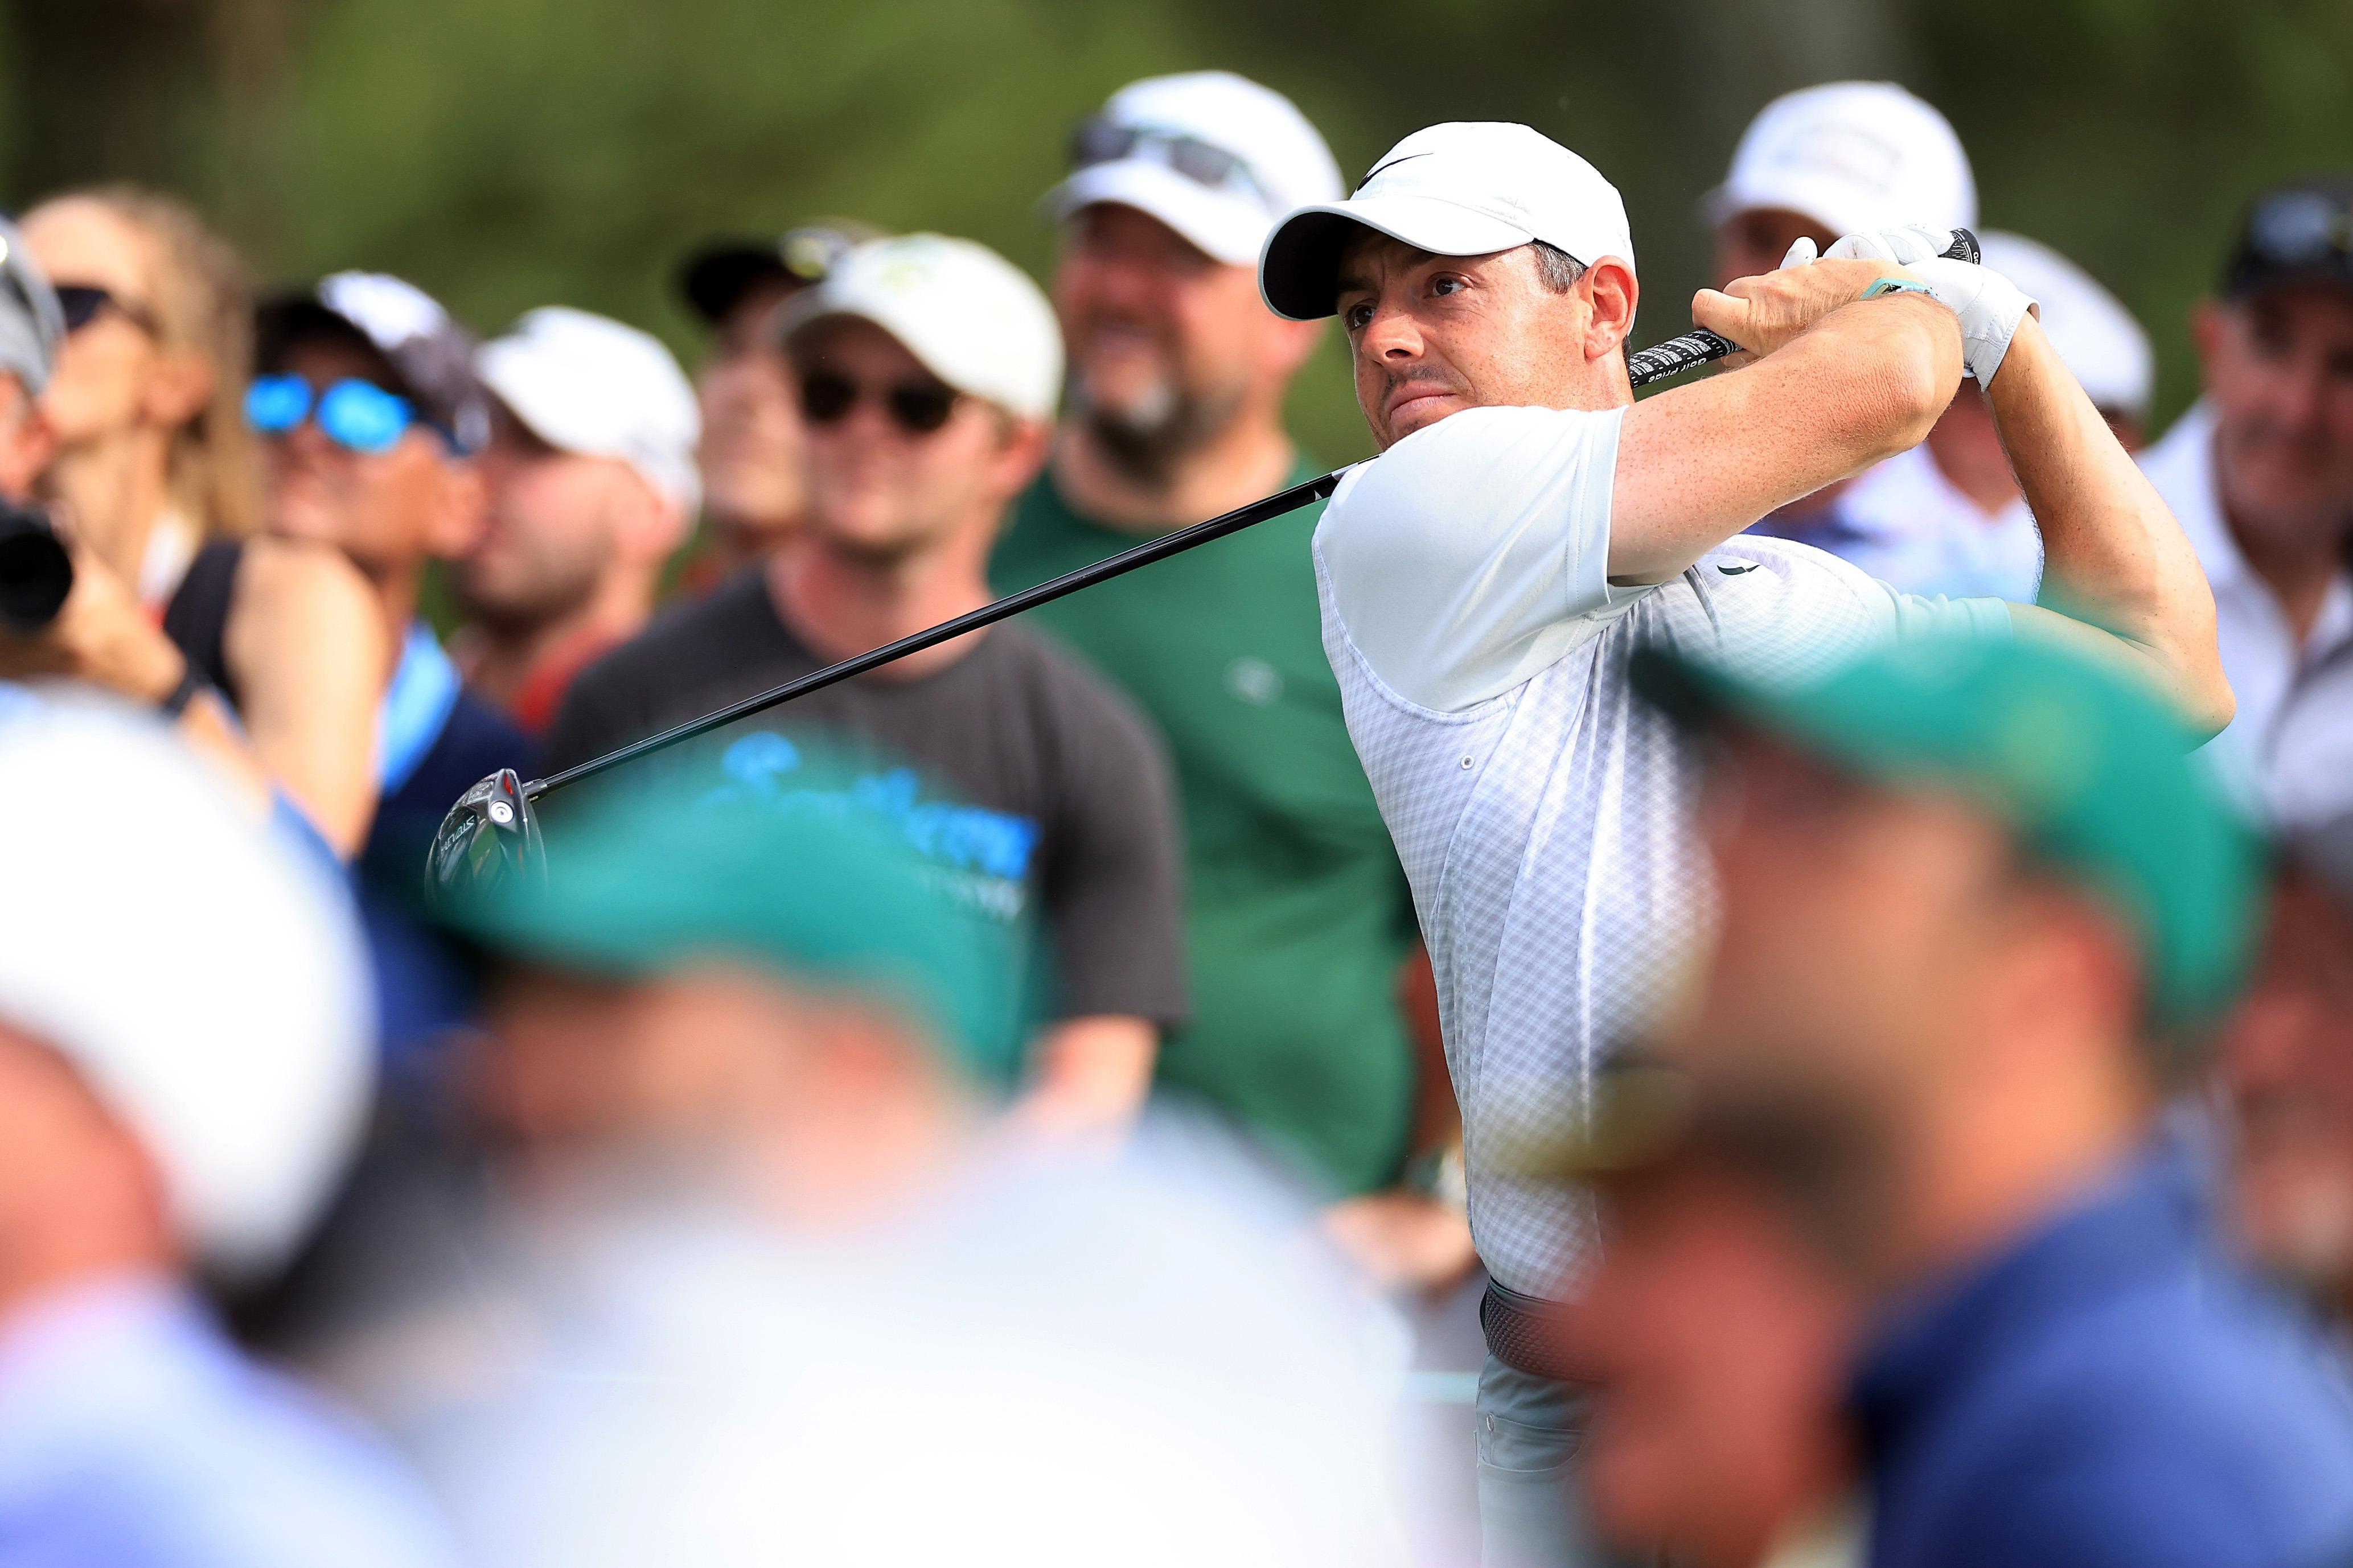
(506,153)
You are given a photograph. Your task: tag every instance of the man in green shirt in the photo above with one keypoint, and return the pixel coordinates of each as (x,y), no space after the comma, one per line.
(1299,923)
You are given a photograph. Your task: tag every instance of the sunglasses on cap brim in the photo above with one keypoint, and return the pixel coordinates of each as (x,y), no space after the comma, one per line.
(356,415)
(916,407)
(1105,141)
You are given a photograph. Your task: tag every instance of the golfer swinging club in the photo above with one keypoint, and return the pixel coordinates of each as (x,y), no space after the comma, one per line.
(1528,525)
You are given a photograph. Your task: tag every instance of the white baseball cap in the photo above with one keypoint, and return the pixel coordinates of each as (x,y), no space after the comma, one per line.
(2096,337)
(1213,156)
(1855,156)
(202,976)
(1470,188)
(971,317)
(588,384)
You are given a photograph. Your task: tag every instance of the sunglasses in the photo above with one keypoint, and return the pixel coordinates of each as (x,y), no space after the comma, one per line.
(82,303)
(1102,141)
(353,413)
(915,407)
(2296,229)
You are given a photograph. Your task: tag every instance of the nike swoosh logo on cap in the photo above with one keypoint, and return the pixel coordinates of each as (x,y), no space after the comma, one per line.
(1385,168)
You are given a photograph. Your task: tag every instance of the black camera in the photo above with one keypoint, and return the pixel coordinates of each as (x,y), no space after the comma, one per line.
(36,573)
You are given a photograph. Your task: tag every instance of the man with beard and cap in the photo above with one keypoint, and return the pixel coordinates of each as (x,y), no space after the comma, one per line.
(1528,525)
(2261,473)
(590,485)
(1297,915)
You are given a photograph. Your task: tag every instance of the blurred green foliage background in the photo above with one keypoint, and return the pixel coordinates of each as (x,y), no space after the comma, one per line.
(506,153)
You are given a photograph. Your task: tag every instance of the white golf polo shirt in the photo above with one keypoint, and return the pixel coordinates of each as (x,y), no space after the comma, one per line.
(1542,810)
(2290,749)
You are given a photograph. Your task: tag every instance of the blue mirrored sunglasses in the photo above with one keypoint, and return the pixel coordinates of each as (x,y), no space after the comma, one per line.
(355,413)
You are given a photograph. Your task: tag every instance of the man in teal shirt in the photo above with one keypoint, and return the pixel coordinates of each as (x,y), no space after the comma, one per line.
(1299,921)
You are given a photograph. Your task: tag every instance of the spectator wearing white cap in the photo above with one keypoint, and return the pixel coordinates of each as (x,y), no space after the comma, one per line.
(589,484)
(1528,526)
(188,1118)
(1839,158)
(1947,516)
(928,370)
(1177,379)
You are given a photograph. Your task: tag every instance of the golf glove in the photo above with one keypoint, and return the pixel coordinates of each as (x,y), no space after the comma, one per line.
(1990,305)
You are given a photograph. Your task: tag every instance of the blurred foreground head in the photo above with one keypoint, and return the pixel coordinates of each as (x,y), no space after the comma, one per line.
(1720,1335)
(1977,903)
(2287,1059)
(759,990)
(184,1060)
(32,325)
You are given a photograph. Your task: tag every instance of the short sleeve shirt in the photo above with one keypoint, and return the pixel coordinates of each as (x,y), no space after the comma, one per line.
(1296,912)
(1541,809)
(1030,784)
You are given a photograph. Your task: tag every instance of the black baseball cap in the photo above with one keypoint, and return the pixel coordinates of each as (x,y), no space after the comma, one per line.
(717,275)
(2300,232)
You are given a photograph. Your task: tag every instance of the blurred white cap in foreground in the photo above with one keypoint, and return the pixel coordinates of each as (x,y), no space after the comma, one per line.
(205,980)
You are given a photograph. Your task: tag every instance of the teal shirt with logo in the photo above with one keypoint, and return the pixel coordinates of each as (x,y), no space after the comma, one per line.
(1297,914)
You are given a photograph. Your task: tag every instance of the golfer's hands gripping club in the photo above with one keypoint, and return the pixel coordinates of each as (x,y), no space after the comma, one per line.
(1990,305)
(1764,312)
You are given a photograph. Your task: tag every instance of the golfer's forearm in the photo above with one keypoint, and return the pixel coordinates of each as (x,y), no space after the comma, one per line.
(1697,465)
(2113,557)
(1093,1074)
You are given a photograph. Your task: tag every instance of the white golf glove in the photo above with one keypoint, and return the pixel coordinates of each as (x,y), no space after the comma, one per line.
(1990,305)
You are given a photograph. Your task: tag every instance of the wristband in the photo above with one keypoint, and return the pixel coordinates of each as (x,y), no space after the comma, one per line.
(1894,285)
(192,680)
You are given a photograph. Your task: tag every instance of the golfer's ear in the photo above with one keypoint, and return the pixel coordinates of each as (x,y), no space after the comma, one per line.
(1609,284)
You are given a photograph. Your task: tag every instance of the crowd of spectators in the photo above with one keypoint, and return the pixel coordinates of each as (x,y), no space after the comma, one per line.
(998,1106)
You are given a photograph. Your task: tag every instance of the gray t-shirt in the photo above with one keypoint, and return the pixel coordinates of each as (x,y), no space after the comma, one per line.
(1028,781)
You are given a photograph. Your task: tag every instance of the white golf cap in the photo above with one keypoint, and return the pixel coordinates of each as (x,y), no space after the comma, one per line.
(206,979)
(588,384)
(2096,337)
(1470,188)
(1156,147)
(971,317)
(1853,156)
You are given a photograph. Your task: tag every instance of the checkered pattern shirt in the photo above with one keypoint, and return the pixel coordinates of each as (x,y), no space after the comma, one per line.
(1541,809)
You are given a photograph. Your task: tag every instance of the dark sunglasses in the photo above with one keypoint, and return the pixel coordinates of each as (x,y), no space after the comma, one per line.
(2296,229)
(357,415)
(1102,140)
(82,303)
(915,407)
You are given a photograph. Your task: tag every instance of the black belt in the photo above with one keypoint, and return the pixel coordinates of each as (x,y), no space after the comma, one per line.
(1530,1334)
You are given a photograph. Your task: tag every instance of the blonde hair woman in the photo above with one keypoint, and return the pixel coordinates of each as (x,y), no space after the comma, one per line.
(155,473)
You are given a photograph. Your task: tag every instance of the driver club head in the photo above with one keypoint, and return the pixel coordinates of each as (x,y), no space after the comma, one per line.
(489,837)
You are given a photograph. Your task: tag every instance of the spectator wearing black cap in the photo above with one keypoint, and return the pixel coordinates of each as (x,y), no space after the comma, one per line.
(369,410)
(753,489)
(152,475)
(2261,474)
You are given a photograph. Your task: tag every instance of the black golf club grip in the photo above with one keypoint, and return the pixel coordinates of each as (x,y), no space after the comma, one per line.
(1700,346)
